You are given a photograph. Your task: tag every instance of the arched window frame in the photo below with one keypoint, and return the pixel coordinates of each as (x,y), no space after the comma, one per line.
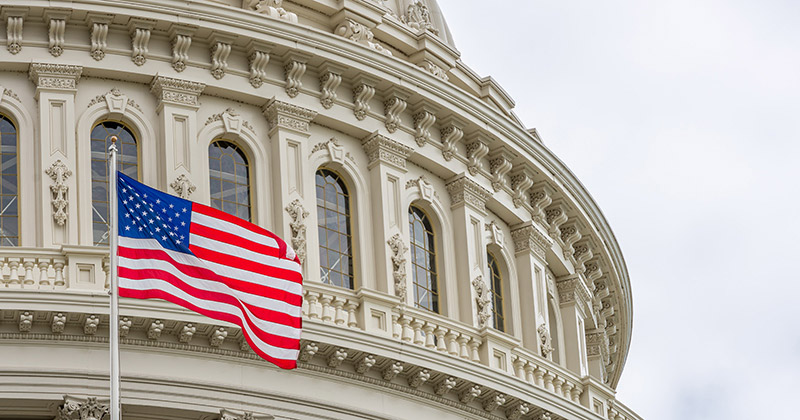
(10,207)
(247,162)
(497,287)
(324,259)
(434,286)
(121,168)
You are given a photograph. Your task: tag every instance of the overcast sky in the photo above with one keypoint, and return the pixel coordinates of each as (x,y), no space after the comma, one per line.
(682,118)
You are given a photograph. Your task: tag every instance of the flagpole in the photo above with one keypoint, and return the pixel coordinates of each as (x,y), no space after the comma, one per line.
(113,338)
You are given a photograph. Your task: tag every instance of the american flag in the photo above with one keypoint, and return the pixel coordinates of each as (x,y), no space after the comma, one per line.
(212,263)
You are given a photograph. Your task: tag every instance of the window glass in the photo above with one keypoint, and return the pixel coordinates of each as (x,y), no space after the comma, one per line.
(127,163)
(229,175)
(9,203)
(333,226)
(497,293)
(423,260)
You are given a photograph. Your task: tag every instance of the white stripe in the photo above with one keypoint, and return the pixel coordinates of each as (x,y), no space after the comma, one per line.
(220,269)
(232,228)
(210,285)
(155,284)
(244,253)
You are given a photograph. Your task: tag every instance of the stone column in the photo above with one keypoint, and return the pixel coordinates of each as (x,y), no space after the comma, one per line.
(468,204)
(56,85)
(574,298)
(178,101)
(292,179)
(387,167)
(530,246)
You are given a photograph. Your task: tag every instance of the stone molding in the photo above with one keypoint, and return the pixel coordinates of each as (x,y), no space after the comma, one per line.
(55,76)
(464,190)
(283,115)
(173,91)
(528,238)
(59,173)
(572,289)
(382,149)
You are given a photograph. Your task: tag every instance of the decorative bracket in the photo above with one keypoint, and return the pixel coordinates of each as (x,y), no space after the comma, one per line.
(298,213)
(399,249)
(258,55)
(140,38)
(483,299)
(98,25)
(394,105)
(452,132)
(329,80)
(14,22)
(521,182)
(477,149)
(181,41)
(220,50)
(57,24)
(500,165)
(294,69)
(424,117)
(363,91)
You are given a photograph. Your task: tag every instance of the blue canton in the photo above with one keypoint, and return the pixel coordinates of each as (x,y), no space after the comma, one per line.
(147,213)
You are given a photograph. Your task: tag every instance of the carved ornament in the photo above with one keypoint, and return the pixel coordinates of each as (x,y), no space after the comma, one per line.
(464,190)
(528,238)
(285,115)
(55,76)
(419,18)
(271,8)
(545,345)
(483,298)
(477,149)
(82,409)
(298,214)
(434,69)
(59,173)
(385,150)
(359,34)
(173,91)
(181,42)
(425,188)
(398,255)
(14,34)
(183,186)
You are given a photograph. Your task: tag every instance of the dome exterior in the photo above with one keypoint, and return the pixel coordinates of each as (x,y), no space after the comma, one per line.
(454,266)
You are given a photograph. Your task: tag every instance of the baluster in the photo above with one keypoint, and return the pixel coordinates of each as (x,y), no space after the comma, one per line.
(59,268)
(452,345)
(463,351)
(474,354)
(430,339)
(325,301)
(339,318)
(519,367)
(28,264)
(107,272)
(13,280)
(566,388)
(350,307)
(44,275)
(304,307)
(419,338)
(576,393)
(3,265)
(529,368)
(557,382)
(548,381)
(538,374)
(313,312)
(408,333)
(441,344)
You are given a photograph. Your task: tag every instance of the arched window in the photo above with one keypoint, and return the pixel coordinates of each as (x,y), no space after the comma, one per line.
(553,326)
(423,260)
(497,293)
(229,175)
(127,163)
(9,216)
(333,223)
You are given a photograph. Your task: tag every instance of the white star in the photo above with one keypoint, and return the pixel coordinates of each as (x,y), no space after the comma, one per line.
(127,228)
(128,215)
(137,205)
(169,219)
(163,210)
(124,190)
(158,229)
(182,236)
(158,201)
(145,196)
(163,238)
(178,242)
(177,215)
(183,223)
(184,209)
(140,228)
(151,221)
(171,206)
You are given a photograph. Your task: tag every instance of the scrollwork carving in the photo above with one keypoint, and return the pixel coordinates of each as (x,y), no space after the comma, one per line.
(183,186)
(55,34)
(418,17)
(77,409)
(398,256)
(545,345)
(294,70)
(362,94)
(59,173)
(392,108)
(360,34)
(271,8)
(298,213)
(328,83)
(483,298)
(14,34)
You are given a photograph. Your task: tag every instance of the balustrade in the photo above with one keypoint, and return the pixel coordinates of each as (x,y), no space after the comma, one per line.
(32,269)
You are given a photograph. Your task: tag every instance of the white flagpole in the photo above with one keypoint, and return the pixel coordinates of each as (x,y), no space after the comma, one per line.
(113,338)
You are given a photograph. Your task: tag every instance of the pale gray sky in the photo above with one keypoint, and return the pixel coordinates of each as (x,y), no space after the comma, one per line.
(682,118)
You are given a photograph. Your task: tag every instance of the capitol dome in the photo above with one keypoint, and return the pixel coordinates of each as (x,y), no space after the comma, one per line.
(454,266)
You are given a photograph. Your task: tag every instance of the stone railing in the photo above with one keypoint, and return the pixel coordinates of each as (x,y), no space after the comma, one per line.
(54,269)
(544,374)
(437,333)
(331,305)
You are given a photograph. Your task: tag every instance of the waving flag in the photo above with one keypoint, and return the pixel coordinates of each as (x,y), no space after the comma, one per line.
(212,263)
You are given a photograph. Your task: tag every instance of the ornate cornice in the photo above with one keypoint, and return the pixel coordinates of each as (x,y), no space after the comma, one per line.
(382,149)
(176,91)
(55,76)
(528,238)
(464,190)
(288,116)
(572,289)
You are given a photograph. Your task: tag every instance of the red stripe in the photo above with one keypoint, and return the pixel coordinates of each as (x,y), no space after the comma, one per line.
(245,264)
(261,313)
(219,214)
(229,238)
(204,273)
(222,316)
(272,339)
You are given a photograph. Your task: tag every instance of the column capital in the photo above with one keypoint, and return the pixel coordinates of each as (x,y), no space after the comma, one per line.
(283,115)
(572,289)
(58,77)
(528,238)
(380,148)
(74,408)
(173,91)
(464,190)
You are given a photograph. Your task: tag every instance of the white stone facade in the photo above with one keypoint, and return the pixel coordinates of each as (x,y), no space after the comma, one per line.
(373,90)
